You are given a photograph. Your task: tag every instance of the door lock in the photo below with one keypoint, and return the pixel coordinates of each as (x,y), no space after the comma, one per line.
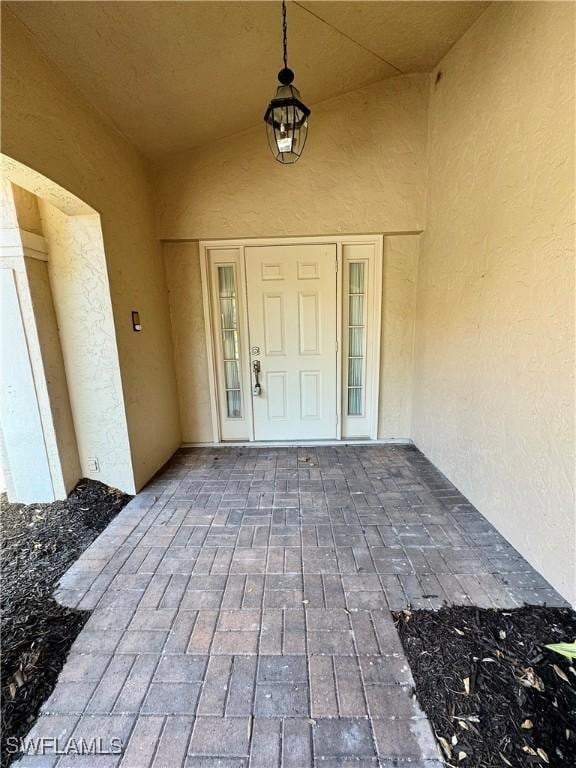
(256,389)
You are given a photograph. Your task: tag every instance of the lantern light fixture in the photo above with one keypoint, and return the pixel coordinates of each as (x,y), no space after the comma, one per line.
(287,116)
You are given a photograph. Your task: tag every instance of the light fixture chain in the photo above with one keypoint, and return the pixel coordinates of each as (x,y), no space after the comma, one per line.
(284,34)
(286,117)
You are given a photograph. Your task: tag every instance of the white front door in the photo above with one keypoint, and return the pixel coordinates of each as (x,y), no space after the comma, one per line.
(291,292)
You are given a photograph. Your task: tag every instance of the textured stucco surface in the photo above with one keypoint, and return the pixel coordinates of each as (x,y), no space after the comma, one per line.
(399,275)
(362,171)
(77,269)
(27,211)
(494,376)
(182,264)
(47,126)
(176,75)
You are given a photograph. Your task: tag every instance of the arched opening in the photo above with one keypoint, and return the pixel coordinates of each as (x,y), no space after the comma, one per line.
(62,415)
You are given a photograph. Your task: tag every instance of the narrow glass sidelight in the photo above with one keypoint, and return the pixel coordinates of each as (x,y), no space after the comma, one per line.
(230,343)
(356,337)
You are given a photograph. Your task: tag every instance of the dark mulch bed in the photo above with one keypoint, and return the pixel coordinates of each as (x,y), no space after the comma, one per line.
(490,688)
(39,542)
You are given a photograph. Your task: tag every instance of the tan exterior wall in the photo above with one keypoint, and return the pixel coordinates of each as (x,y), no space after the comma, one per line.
(27,211)
(399,275)
(77,270)
(182,263)
(362,171)
(494,376)
(47,126)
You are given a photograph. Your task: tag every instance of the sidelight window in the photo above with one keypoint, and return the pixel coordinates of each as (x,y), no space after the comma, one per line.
(356,337)
(230,342)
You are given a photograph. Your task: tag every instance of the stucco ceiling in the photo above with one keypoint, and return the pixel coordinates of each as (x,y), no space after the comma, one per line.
(175,75)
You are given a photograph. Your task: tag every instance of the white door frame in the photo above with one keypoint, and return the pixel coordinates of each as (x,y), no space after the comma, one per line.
(373,338)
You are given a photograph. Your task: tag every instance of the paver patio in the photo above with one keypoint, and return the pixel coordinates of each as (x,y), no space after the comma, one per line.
(241,611)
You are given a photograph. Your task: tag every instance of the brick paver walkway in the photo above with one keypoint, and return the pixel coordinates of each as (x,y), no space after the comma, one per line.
(241,611)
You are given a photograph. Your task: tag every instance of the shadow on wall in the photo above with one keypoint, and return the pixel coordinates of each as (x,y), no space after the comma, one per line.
(62,403)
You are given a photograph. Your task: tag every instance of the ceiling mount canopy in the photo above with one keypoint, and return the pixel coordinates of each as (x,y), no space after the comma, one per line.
(287,116)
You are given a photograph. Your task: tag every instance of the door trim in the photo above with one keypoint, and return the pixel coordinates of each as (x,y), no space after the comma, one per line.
(206,246)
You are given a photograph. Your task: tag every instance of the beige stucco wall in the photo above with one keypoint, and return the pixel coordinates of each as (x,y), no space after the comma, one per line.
(47,126)
(494,376)
(362,171)
(399,275)
(77,270)
(27,211)
(182,263)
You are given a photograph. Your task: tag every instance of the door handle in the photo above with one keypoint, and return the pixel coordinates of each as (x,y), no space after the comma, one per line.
(256,389)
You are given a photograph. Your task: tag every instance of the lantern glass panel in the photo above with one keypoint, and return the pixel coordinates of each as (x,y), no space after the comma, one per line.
(286,125)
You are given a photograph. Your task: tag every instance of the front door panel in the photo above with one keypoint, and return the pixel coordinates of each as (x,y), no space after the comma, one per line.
(292,324)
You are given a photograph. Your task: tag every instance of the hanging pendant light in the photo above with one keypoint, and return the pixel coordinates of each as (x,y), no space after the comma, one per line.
(286,117)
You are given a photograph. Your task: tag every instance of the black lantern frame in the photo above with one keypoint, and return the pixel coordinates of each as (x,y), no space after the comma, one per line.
(287,116)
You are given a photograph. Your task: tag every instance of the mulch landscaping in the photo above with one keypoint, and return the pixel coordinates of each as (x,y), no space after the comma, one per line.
(494,694)
(38,544)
